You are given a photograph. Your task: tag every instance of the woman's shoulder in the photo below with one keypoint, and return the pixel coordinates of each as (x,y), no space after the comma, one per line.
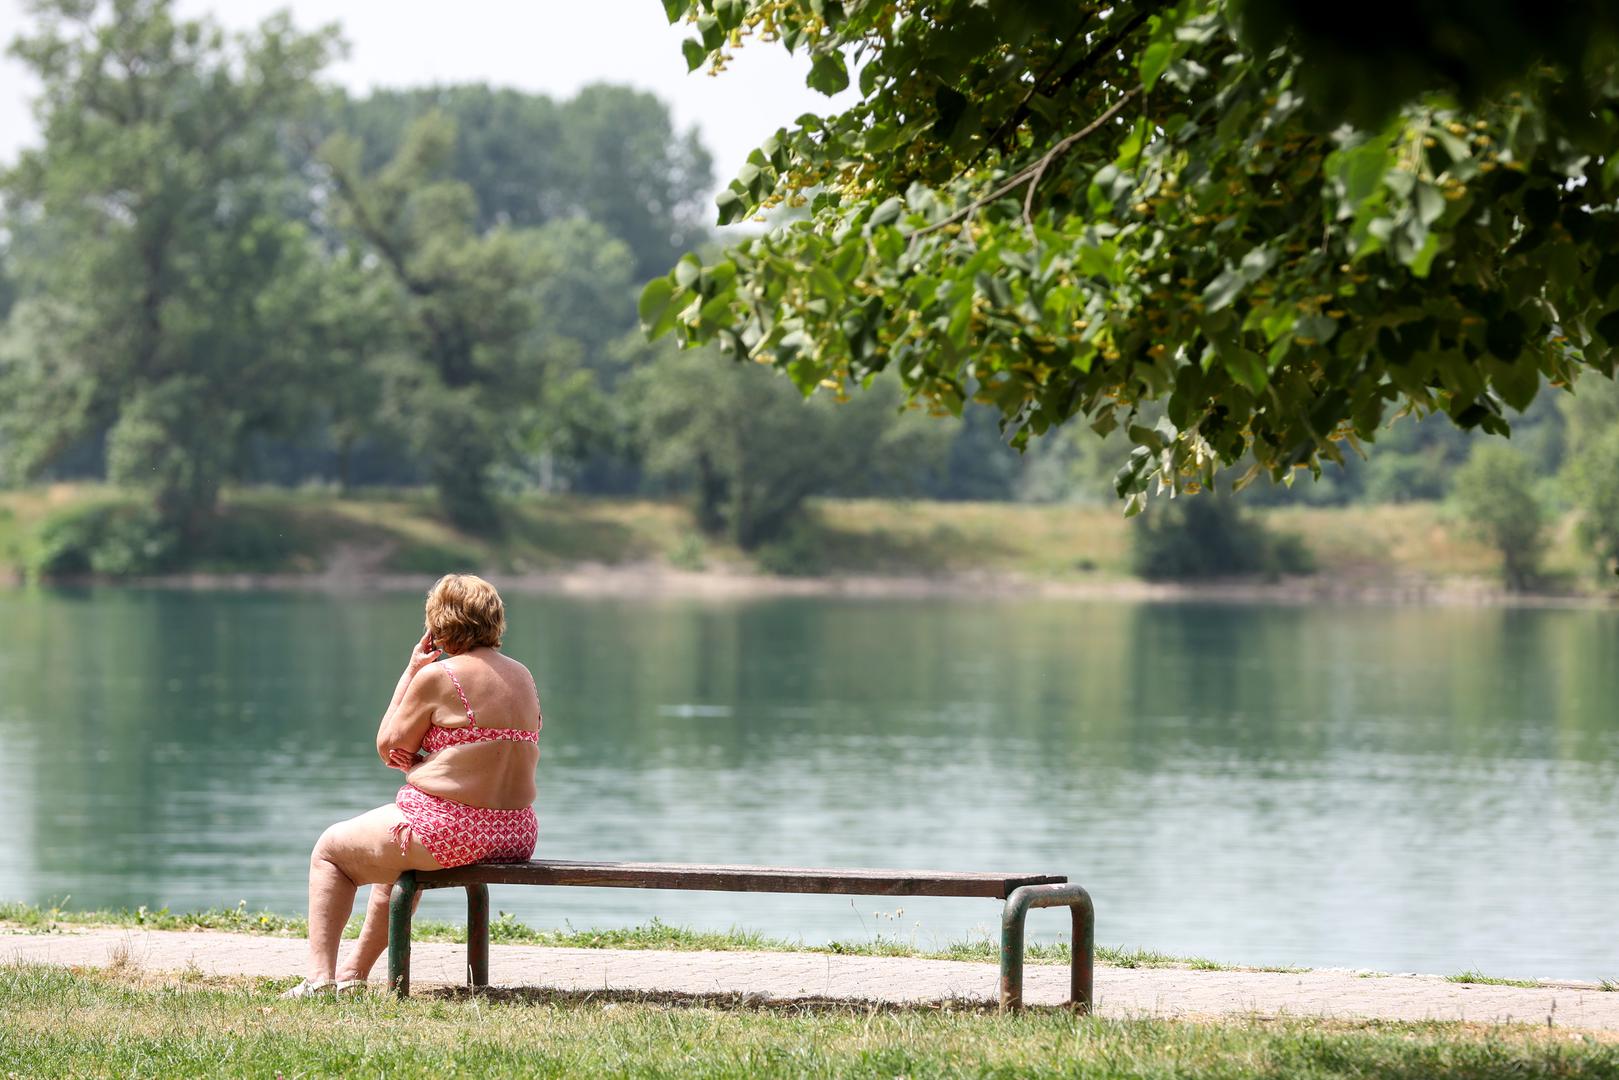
(500,660)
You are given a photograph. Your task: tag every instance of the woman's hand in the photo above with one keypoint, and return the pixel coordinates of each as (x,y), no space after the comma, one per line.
(423,654)
(402,759)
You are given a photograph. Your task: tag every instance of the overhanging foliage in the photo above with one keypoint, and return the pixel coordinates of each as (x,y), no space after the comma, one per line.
(1101,213)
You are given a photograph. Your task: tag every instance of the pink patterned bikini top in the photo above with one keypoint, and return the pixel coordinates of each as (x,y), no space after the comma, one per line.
(438,738)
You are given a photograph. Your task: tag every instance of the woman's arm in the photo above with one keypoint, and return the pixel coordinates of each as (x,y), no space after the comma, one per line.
(410,711)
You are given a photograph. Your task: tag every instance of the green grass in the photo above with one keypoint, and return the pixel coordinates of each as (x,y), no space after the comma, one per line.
(1479,978)
(55,1022)
(505,929)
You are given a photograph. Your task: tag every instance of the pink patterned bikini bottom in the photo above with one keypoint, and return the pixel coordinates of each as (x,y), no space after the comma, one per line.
(457,834)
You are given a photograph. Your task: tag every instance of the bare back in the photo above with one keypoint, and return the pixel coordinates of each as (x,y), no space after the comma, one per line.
(500,691)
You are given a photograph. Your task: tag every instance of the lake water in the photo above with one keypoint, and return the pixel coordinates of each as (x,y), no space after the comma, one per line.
(1391,788)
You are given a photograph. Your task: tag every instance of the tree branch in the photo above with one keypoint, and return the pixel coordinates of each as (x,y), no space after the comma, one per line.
(1103,48)
(1031,174)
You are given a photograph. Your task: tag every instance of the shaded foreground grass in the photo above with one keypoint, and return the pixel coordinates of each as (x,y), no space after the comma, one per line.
(507,930)
(58,1022)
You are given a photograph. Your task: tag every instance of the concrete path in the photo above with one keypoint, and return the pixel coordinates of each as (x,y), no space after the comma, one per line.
(1167,992)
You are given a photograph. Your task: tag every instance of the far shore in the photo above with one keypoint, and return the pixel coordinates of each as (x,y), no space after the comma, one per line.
(590,546)
(652,580)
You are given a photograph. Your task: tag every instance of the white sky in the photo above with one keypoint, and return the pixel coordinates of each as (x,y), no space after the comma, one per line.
(550,46)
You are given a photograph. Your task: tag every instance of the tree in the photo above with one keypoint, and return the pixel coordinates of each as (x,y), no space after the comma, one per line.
(631,171)
(610,153)
(754,450)
(1495,495)
(354,329)
(1589,413)
(581,290)
(461,370)
(1591,477)
(1079,210)
(159,277)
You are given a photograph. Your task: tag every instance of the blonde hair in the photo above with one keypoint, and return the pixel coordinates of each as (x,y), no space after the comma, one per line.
(464,612)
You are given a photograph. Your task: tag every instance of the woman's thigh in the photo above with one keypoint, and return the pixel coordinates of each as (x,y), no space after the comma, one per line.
(365,850)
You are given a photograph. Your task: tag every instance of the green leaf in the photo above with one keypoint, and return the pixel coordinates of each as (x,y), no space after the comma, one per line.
(1607,275)
(712,33)
(887,212)
(717,279)
(1360,174)
(825,281)
(1517,383)
(828,74)
(949,105)
(655,300)
(1318,328)
(730,13)
(1422,261)
(1231,281)
(1504,335)
(688,270)
(1430,202)
(868,79)
(847,262)
(695,53)
(1454,147)
(1608,327)
(731,206)
(1245,366)
(1222,290)
(713,312)
(1154,59)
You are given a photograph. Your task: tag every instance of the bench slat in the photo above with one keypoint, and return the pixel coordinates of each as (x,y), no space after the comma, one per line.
(787,879)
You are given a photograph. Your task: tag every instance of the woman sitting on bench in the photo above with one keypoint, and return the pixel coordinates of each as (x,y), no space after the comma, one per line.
(463,726)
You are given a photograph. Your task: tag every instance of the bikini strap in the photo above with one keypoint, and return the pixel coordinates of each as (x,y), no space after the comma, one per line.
(460,693)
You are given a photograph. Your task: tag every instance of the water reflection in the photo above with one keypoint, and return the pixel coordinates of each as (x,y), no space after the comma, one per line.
(1353,786)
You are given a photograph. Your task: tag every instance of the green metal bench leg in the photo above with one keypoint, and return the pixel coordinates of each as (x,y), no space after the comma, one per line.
(401,905)
(478,935)
(1082,973)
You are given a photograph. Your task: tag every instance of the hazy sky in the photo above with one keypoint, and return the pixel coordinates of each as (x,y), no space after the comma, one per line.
(550,46)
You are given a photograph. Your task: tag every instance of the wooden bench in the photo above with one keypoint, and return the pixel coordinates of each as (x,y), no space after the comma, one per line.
(1020,891)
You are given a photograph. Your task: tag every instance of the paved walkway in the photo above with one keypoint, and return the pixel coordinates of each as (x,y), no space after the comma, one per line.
(786,976)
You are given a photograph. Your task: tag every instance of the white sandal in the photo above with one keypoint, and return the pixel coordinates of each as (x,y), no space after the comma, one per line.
(351,986)
(310,989)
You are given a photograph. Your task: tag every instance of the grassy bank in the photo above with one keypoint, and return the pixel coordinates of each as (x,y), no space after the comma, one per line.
(313,532)
(507,930)
(57,1022)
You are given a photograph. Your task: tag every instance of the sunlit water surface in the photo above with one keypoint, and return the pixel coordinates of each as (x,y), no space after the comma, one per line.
(1390,788)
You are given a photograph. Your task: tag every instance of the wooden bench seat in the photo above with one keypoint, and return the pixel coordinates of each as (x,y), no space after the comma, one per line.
(778,879)
(1021,892)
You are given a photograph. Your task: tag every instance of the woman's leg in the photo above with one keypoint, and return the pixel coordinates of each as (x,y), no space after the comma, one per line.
(359,851)
(373,938)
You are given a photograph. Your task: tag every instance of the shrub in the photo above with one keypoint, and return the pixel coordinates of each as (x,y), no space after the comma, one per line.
(116,539)
(689,554)
(125,539)
(1495,496)
(796,552)
(238,538)
(1209,536)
